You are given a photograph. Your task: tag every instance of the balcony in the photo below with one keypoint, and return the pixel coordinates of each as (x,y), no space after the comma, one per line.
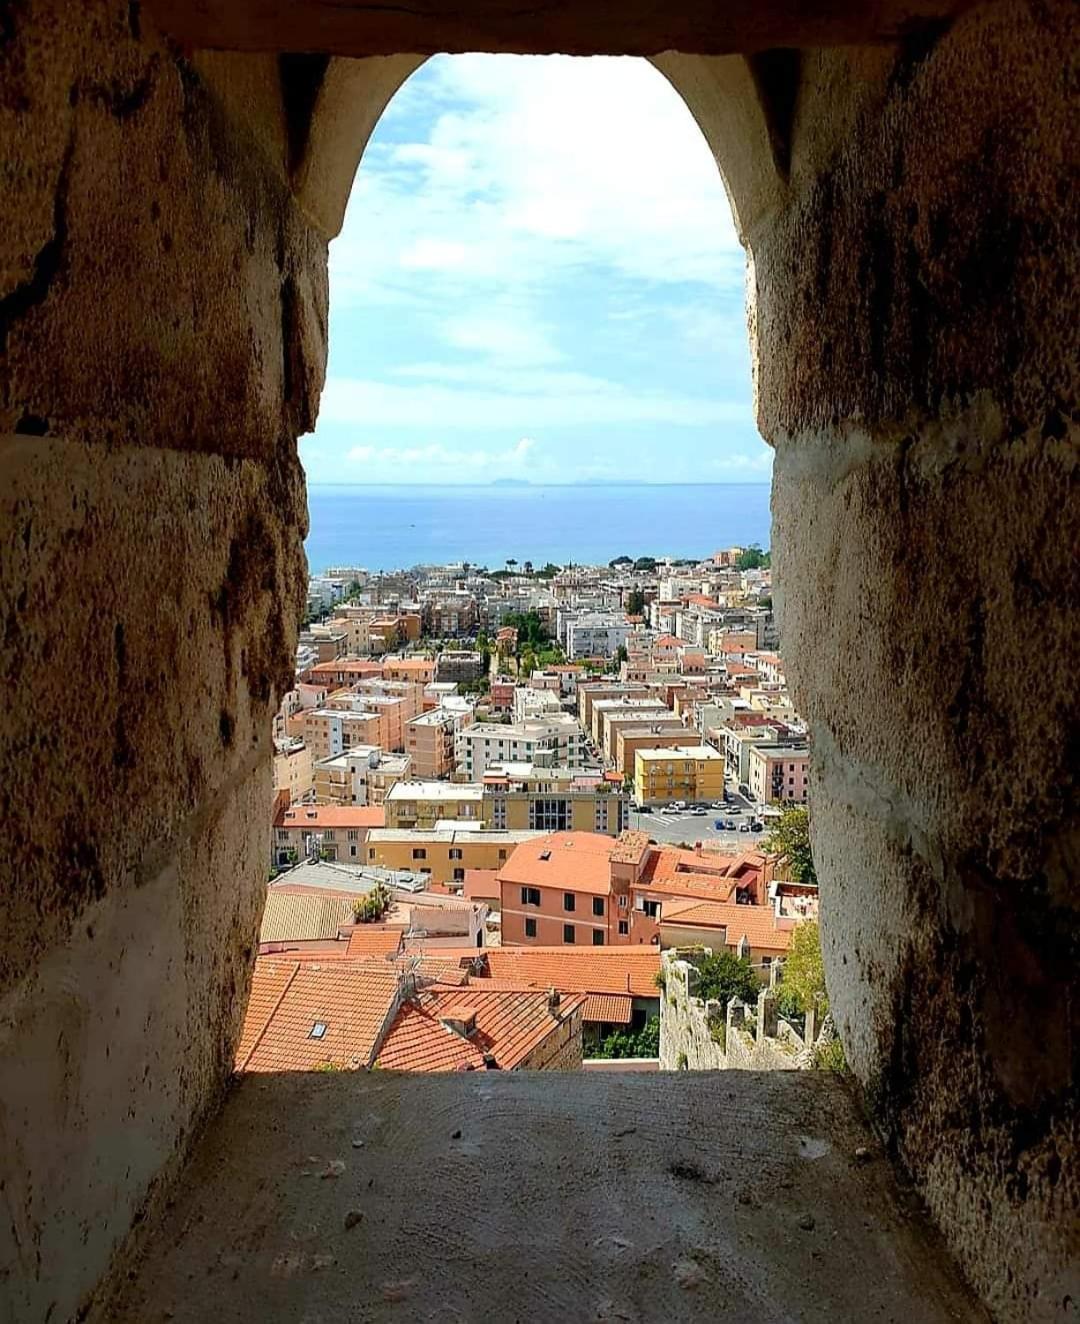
(537,1196)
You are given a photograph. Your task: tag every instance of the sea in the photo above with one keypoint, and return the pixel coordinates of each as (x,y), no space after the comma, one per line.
(394,527)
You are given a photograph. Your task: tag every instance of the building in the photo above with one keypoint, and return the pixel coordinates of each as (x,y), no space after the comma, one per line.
(553,741)
(461,666)
(415,803)
(364,775)
(659,734)
(329,832)
(429,741)
(445,855)
(522,796)
(293,769)
(596,635)
(694,773)
(583,889)
(331,731)
(779,774)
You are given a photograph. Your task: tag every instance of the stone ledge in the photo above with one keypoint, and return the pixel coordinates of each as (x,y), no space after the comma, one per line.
(540,1196)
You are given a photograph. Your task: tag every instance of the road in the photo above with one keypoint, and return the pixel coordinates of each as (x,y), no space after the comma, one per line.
(671,827)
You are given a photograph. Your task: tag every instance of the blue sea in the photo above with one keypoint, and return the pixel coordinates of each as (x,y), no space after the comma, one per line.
(389,527)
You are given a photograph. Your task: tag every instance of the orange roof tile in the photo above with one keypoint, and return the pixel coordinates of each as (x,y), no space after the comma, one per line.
(481,884)
(332,816)
(629,970)
(509,1026)
(629,847)
(609,1008)
(374,940)
(756,923)
(350,1000)
(575,861)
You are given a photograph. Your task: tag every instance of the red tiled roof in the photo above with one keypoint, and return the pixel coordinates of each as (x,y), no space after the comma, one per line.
(374,940)
(629,847)
(609,1008)
(332,816)
(290,998)
(577,862)
(628,970)
(756,923)
(508,1026)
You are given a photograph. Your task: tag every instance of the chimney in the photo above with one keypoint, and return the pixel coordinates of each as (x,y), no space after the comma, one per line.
(554,998)
(459,1020)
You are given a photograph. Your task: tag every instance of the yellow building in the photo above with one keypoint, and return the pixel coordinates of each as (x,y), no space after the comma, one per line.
(444,855)
(293,769)
(693,773)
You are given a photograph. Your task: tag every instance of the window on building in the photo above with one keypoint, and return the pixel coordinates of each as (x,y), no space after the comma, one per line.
(569,901)
(455,853)
(568,933)
(530,896)
(598,905)
(371,853)
(352,851)
(624,927)
(530,928)
(549,814)
(502,854)
(419,853)
(318,1030)
(459,875)
(598,937)
(353,835)
(623,901)
(328,834)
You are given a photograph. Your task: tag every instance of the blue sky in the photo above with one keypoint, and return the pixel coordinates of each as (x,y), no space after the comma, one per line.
(538,278)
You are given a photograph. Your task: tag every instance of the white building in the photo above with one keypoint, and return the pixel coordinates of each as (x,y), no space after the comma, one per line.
(555,741)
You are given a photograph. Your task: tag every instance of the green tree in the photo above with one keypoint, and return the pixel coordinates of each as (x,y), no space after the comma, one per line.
(510,563)
(528,567)
(753,558)
(802,984)
(635,602)
(373,905)
(620,560)
(528,662)
(549,570)
(630,1043)
(724,976)
(790,839)
(646,564)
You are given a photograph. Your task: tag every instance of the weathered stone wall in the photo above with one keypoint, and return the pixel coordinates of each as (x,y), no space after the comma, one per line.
(916,308)
(162,316)
(703,1036)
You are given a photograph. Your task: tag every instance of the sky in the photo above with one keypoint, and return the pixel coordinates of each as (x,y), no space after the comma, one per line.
(538,279)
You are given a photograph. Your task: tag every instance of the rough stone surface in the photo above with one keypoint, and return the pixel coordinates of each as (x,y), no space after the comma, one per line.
(562,1196)
(920,295)
(162,326)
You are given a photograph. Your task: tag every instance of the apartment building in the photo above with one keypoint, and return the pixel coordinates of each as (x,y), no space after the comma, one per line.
(362,775)
(331,731)
(554,799)
(555,741)
(660,733)
(444,855)
(429,741)
(610,714)
(531,702)
(581,889)
(779,774)
(682,772)
(329,832)
(293,769)
(461,665)
(596,636)
(409,670)
(592,692)
(421,804)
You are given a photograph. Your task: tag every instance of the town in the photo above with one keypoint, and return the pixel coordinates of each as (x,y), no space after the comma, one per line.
(540,818)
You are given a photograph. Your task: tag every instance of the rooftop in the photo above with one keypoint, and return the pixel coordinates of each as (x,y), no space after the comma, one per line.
(443,1186)
(331,816)
(432,790)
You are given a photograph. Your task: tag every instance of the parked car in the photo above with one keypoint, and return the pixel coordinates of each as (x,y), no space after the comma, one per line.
(699,812)
(744,827)
(719,825)
(734,809)
(678,804)
(731,825)
(756,826)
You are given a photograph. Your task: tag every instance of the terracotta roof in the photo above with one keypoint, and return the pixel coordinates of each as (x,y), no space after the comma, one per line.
(703,886)
(303,916)
(332,816)
(349,1001)
(609,1008)
(629,847)
(576,862)
(629,970)
(756,923)
(508,1025)
(481,884)
(346,664)
(374,940)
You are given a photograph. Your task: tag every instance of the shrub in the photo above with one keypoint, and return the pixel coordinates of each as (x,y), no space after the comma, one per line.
(724,976)
(373,905)
(628,1043)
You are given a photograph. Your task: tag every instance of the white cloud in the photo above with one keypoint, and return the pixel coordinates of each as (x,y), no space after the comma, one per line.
(437,460)
(428,404)
(539,164)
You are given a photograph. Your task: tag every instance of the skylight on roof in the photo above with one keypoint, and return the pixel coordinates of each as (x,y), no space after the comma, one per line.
(317,1030)
(545,855)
